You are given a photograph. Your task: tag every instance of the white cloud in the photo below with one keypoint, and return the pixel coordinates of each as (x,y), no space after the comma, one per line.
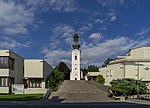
(53,57)
(14,30)
(55,5)
(95,36)
(14,18)
(112,17)
(9,43)
(63,30)
(61,34)
(17,16)
(96,54)
(85,27)
(108,3)
(143,31)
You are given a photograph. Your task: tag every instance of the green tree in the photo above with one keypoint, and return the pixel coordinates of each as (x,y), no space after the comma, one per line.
(127,87)
(100,79)
(92,68)
(84,71)
(55,79)
(65,69)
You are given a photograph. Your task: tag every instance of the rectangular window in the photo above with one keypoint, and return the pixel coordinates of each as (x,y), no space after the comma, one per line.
(35,83)
(111,73)
(75,57)
(11,63)
(7,63)
(3,62)
(3,82)
(107,73)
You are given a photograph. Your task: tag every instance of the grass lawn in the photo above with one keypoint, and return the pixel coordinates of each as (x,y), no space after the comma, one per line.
(21,97)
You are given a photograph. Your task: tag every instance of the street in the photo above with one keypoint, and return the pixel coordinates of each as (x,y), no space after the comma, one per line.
(48,104)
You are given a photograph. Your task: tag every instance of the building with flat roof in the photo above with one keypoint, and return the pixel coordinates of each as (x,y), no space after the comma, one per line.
(135,64)
(14,69)
(35,75)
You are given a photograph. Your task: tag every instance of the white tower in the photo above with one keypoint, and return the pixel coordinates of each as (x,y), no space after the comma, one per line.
(75,72)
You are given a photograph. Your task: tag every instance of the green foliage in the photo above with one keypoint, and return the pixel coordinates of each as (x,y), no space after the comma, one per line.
(84,71)
(62,67)
(100,79)
(127,87)
(92,68)
(60,73)
(55,79)
(20,97)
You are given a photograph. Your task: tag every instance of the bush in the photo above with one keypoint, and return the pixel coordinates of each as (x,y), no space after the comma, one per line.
(127,87)
(100,79)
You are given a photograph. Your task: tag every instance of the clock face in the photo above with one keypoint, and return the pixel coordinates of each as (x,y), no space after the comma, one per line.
(75,52)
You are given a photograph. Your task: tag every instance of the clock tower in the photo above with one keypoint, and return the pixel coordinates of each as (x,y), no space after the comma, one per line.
(75,72)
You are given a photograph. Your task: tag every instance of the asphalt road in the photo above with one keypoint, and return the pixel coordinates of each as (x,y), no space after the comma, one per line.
(47,104)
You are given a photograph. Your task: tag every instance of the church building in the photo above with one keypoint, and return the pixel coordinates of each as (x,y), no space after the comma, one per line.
(75,73)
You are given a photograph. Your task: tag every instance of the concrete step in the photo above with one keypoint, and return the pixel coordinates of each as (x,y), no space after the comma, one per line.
(79,91)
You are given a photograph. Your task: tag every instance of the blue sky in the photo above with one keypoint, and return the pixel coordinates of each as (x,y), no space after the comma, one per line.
(44,28)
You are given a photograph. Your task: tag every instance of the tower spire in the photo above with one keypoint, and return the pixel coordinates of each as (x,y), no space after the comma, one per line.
(76,44)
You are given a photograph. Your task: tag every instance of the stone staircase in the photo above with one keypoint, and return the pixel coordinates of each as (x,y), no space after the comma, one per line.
(80,91)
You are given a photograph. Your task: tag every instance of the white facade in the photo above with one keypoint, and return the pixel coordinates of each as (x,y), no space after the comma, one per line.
(135,64)
(75,73)
(15,70)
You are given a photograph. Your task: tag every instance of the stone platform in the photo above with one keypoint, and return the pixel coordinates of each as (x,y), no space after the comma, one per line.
(80,91)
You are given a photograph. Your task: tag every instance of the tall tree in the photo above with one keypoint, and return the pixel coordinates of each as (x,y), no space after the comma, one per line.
(92,68)
(65,69)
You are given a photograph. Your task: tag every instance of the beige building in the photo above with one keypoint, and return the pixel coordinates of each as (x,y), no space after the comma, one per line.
(11,70)
(15,70)
(35,74)
(135,64)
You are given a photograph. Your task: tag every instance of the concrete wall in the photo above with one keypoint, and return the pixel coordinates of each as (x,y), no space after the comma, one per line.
(47,69)
(36,69)
(4,89)
(33,68)
(19,63)
(35,91)
(141,53)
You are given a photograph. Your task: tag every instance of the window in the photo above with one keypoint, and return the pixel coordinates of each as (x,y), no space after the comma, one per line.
(11,63)
(35,83)
(7,63)
(3,82)
(111,73)
(75,68)
(3,62)
(75,57)
(107,72)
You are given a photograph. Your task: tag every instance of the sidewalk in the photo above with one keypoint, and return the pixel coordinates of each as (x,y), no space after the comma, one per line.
(139,101)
